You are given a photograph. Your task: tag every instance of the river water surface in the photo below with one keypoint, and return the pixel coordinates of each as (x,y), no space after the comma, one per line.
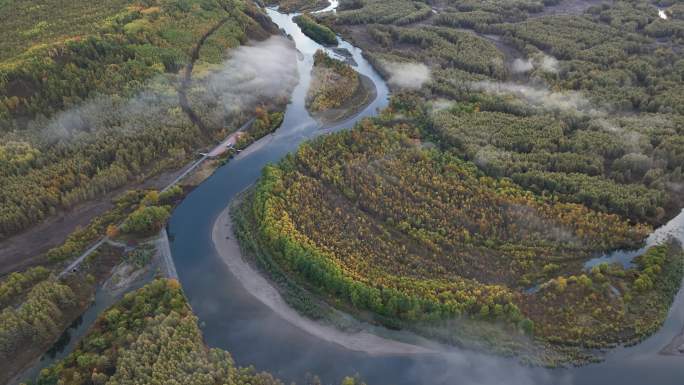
(232,319)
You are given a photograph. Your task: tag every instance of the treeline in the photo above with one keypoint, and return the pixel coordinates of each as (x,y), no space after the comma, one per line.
(399,12)
(289,6)
(642,17)
(151,336)
(508,8)
(477,20)
(14,286)
(443,47)
(468,12)
(317,32)
(37,320)
(412,233)
(629,201)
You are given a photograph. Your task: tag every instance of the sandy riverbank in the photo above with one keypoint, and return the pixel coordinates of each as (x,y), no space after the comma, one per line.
(675,347)
(228,248)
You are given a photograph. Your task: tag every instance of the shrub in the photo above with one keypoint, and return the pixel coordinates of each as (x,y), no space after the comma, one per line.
(146,220)
(318,33)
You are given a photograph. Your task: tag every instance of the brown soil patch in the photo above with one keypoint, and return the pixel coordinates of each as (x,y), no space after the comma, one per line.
(26,249)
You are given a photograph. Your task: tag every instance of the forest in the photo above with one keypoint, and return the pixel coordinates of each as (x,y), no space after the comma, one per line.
(580,106)
(611,52)
(623,171)
(383,12)
(151,336)
(538,141)
(318,33)
(63,142)
(37,305)
(381,219)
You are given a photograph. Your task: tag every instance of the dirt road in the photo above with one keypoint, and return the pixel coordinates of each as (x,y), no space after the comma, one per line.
(25,249)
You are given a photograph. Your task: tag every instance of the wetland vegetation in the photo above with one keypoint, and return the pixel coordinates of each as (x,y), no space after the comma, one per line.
(336,91)
(66,141)
(386,223)
(523,139)
(482,191)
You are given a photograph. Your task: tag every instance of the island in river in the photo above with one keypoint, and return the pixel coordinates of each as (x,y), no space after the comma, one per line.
(337,91)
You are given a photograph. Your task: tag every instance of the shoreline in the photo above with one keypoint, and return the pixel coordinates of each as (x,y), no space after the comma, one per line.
(674,347)
(362,98)
(227,247)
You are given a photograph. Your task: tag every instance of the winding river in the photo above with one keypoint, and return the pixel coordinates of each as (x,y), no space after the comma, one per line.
(235,320)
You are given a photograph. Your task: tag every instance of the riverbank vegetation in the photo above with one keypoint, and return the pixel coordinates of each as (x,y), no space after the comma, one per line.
(289,6)
(152,212)
(89,96)
(147,220)
(336,91)
(151,336)
(39,306)
(390,224)
(317,32)
(264,124)
(333,83)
